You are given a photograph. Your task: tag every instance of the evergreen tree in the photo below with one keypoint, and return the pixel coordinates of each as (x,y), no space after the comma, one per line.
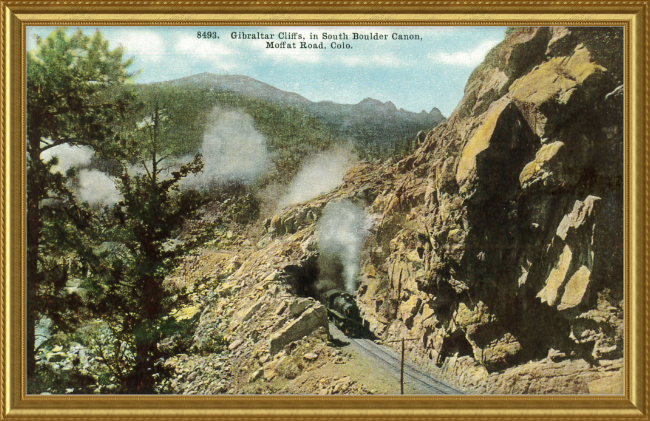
(129,293)
(66,79)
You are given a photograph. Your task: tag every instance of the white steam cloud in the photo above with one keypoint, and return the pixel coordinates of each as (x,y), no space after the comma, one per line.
(341,231)
(97,188)
(232,149)
(69,156)
(92,186)
(319,175)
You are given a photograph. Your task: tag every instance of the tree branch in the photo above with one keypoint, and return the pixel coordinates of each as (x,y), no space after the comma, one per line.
(107,362)
(145,167)
(163,158)
(76,140)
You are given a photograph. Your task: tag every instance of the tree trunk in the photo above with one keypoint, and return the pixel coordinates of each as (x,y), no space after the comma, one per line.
(140,381)
(35,194)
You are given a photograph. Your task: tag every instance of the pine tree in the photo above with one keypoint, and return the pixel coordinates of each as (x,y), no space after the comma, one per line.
(129,293)
(66,79)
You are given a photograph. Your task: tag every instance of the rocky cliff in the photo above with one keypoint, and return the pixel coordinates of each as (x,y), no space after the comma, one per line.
(498,244)
(502,242)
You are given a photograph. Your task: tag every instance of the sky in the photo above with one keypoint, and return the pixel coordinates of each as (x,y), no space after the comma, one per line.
(430,70)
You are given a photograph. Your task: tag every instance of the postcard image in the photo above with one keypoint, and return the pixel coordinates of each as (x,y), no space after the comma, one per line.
(325,210)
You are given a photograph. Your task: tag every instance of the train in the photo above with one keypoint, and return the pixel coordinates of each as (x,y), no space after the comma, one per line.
(343,311)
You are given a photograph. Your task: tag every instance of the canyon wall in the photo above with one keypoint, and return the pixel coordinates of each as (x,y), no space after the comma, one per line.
(501,244)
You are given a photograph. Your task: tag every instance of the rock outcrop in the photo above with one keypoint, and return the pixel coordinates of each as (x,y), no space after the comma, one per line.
(502,240)
(308,322)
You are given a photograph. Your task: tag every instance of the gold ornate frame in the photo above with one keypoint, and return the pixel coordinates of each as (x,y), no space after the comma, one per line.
(16,14)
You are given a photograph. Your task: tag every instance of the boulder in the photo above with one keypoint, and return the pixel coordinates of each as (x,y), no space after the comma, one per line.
(421,136)
(496,151)
(575,289)
(280,308)
(308,322)
(609,385)
(556,79)
(245,314)
(186,313)
(581,212)
(409,309)
(568,281)
(545,169)
(471,318)
(556,278)
(480,141)
(275,224)
(235,344)
(298,306)
(497,353)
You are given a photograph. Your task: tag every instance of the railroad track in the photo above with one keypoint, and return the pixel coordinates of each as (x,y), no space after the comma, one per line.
(412,375)
(383,361)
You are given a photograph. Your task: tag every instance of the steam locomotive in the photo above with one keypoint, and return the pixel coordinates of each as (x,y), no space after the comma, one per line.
(343,311)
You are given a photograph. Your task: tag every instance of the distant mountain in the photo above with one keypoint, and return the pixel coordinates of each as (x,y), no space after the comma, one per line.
(243,85)
(383,121)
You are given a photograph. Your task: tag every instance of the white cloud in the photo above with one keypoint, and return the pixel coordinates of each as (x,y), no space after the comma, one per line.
(466,58)
(191,45)
(92,186)
(214,51)
(147,45)
(31,40)
(387,60)
(293,55)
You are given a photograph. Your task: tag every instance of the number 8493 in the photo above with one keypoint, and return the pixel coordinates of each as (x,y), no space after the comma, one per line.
(206,34)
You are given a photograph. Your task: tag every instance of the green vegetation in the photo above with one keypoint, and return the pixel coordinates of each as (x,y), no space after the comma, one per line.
(64,79)
(152,210)
(291,133)
(117,257)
